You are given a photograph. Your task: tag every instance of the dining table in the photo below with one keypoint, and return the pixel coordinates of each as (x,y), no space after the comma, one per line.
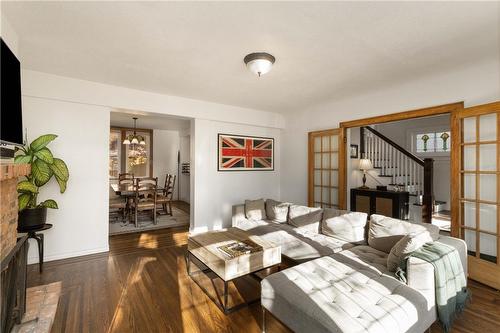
(127,189)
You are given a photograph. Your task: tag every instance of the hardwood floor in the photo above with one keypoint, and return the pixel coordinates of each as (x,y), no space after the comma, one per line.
(141,285)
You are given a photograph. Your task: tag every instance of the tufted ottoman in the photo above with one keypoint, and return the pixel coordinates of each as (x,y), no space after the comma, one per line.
(350,291)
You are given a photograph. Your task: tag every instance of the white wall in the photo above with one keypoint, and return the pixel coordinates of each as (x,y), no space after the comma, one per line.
(166,144)
(475,84)
(215,192)
(79,108)
(184,180)
(80,223)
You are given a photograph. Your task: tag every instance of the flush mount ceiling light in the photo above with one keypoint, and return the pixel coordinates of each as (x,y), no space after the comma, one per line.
(134,138)
(259,63)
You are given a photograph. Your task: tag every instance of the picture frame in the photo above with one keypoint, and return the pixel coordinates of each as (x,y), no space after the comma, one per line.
(244,153)
(354,151)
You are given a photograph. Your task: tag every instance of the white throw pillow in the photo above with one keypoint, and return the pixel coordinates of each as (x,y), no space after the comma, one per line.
(348,226)
(255,210)
(385,232)
(305,218)
(405,246)
(277,211)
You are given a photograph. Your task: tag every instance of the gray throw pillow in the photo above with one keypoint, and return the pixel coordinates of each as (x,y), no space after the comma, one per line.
(405,246)
(385,232)
(255,210)
(277,211)
(305,218)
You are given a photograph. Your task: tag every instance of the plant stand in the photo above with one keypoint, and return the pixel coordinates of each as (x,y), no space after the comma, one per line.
(32,233)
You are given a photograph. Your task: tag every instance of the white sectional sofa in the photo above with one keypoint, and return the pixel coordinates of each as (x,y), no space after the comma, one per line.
(341,282)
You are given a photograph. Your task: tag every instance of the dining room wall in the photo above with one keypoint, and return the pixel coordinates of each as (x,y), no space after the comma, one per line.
(166,145)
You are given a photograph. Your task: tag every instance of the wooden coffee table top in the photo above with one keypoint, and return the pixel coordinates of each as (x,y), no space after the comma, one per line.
(205,248)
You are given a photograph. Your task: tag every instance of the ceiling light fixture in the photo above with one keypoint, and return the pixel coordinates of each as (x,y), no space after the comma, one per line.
(259,63)
(134,138)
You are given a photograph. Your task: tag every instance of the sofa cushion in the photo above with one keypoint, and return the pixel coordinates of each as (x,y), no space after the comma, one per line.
(305,218)
(385,232)
(255,210)
(337,294)
(348,226)
(277,211)
(405,246)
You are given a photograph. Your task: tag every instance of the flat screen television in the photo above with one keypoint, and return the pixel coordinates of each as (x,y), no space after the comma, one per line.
(10,95)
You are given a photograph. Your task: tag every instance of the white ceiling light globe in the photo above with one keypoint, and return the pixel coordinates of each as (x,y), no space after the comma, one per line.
(259,63)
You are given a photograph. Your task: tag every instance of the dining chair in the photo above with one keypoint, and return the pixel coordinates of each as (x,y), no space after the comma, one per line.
(144,198)
(126,178)
(166,194)
(117,205)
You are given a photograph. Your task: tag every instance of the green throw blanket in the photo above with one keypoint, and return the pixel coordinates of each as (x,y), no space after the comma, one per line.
(450,282)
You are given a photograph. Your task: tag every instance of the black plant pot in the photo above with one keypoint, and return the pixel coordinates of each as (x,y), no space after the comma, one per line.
(32,218)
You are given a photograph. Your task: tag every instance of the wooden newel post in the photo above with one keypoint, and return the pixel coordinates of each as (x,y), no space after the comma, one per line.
(428,197)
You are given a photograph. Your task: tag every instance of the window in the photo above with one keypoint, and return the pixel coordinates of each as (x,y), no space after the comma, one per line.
(433,142)
(136,159)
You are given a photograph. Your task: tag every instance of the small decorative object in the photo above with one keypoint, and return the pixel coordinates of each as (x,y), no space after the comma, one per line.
(445,137)
(236,249)
(134,139)
(259,63)
(425,138)
(354,151)
(365,165)
(185,168)
(245,153)
(44,166)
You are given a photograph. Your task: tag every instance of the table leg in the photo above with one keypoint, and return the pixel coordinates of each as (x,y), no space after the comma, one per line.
(225,296)
(39,239)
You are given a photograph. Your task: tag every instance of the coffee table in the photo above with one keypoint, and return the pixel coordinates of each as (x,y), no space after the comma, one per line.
(204,247)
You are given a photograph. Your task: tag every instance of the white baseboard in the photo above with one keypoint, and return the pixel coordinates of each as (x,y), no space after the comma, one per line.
(34,259)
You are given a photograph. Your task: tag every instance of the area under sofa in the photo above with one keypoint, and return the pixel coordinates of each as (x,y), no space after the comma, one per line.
(340,282)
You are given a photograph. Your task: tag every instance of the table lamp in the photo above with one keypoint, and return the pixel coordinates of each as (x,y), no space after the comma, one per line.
(365,164)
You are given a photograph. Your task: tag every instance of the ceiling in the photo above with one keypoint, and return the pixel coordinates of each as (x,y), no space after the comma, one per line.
(323,50)
(123,118)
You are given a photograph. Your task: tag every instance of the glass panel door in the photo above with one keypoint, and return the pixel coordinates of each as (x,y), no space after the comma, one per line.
(326,161)
(115,149)
(476,164)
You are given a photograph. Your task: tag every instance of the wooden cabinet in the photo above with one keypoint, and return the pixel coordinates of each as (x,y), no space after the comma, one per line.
(388,203)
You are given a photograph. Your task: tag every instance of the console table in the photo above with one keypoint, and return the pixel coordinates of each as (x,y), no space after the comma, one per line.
(388,203)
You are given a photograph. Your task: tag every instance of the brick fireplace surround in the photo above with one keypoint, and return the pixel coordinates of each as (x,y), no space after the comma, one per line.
(9,174)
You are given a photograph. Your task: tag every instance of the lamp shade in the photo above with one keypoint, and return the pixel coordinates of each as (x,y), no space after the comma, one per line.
(365,164)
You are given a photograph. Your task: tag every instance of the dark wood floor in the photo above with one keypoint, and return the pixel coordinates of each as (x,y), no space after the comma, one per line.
(141,285)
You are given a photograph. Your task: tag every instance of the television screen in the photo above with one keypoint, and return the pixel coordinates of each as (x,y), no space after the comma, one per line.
(10,96)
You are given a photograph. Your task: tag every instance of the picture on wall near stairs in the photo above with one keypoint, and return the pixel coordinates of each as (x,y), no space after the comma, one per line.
(245,153)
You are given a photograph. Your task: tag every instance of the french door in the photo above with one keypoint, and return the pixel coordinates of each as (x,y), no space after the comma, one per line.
(326,169)
(476,192)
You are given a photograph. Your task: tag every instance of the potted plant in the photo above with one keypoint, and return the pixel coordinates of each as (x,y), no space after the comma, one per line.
(44,166)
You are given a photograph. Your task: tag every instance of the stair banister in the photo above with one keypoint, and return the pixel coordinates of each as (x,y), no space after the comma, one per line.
(404,166)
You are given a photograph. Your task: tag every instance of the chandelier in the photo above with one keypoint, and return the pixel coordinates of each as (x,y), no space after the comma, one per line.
(134,138)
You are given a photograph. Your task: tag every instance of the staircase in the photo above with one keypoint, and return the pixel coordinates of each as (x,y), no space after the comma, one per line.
(403,170)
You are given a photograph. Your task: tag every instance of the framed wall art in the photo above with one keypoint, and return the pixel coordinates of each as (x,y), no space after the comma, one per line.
(245,153)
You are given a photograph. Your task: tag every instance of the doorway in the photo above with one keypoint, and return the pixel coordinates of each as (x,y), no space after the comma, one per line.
(149,171)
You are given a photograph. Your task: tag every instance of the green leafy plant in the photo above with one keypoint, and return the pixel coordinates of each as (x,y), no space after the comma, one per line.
(44,166)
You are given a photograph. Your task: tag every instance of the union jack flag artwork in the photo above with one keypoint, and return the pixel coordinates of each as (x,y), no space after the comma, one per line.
(238,152)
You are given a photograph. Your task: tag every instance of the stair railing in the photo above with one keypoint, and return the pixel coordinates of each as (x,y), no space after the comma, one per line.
(402,166)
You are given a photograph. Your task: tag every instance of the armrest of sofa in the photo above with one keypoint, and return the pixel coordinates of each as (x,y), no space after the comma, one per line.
(461,247)
(420,274)
(238,215)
